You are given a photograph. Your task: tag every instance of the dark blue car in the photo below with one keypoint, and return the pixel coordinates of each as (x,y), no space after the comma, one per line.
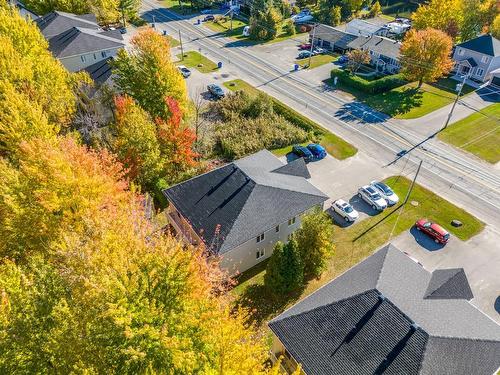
(303,152)
(318,151)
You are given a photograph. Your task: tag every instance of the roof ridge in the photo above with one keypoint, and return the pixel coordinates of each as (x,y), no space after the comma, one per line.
(97,33)
(386,248)
(463,338)
(296,191)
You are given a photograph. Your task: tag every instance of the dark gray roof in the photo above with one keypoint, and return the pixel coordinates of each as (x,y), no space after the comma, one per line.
(56,22)
(459,339)
(242,199)
(383,46)
(485,44)
(296,167)
(101,71)
(449,284)
(471,61)
(77,41)
(333,35)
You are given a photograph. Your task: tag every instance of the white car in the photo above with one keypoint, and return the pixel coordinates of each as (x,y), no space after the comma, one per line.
(386,192)
(345,210)
(184,71)
(372,197)
(319,51)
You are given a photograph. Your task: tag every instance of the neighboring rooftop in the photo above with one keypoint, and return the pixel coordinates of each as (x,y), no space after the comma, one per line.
(389,315)
(379,44)
(78,41)
(485,44)
(362,27)
(244,198)
(56,22)
(334,35)
(101,71)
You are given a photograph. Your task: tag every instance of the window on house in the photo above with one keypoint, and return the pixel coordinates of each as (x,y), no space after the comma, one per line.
(103,54)
(485,59)
(82,58)
(479,72)
(95,57)
(260,253)
(460,51)
(291,221)
(277,228)
(260,237)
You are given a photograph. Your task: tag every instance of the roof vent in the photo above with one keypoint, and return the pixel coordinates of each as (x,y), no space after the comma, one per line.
(414,327)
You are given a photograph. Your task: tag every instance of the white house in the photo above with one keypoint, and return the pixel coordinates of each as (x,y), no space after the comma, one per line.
(478,58)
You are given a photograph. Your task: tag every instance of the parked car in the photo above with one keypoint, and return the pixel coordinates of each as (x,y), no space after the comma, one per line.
(343,59)
(306,46)
(216,91)
(317,150)
(246,31)
(386,192)
(123,30)
(184,71)
(345,210)
(302,17)
(372,197)
(433,230)
(210,17)
(303,152)
(319,51)
(304,55)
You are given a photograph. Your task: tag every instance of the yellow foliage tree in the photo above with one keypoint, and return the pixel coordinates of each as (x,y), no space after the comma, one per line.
(444,15)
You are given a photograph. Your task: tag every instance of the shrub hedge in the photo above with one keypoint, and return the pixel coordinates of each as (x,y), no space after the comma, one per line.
(376,86)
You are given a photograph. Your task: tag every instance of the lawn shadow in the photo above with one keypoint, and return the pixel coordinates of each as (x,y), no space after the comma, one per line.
(361,206)
(263,304)
(396,102)
(424,240)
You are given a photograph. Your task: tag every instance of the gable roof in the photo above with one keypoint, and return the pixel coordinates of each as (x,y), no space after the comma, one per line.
(333,35)
(449,284)
(296,167)
(485,44)
(78,41)
(378,44)
(457,338)
(243,199)
(56,22)
(101,71)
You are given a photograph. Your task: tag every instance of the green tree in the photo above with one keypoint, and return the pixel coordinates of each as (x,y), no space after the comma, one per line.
(375,9)
(495,27)
(265,26)
(284,271)
(335,16)
(444,15)
(147,74)
(289,27)
(357,58)
(425,55)
(314,240)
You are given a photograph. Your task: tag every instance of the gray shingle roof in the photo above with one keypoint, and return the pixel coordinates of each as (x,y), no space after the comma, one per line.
(362,27)
(460,338)
(77,41)
(485,44)
(449,284)
(383,46)
(335,36)
(56,22)
(101,71)
(296,167)
(242,200)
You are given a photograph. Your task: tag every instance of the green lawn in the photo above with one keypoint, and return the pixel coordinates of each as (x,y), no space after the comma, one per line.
(317,60)
(193,59)
(354,243)
(172,41)
(478,134)
(180,7)
(398,8)
(333,144)
(408,102)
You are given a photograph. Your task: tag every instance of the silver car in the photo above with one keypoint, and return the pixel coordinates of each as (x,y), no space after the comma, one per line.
(184,71)
(386,192)
(372,197)
(345,210)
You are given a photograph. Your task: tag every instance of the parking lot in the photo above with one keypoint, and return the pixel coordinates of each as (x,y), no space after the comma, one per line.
(479,256)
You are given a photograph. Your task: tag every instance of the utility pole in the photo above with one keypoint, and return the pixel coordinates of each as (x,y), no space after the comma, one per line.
(231,27)
(182,49)
(153,25)
(459,91)
(412,183)
(312,45)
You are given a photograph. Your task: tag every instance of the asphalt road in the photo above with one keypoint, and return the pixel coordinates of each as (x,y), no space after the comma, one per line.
(464,180)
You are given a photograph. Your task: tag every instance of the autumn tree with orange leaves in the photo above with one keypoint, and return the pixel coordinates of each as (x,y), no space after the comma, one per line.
(426,55)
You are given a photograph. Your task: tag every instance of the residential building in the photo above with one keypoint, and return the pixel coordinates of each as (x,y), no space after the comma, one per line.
(361,27)
(101,72)
(477,58)
(388,315)
(77,40)
(384,52)
(239,211)
(331,38)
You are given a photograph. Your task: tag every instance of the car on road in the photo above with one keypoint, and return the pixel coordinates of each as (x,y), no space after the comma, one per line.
(345,210)
(372,197)
(305,55)
(306,46)
(216,91)
(317,150)
(386,192)
(184,71)
(210,17)
(303,152)
(433,230)
(402,153)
